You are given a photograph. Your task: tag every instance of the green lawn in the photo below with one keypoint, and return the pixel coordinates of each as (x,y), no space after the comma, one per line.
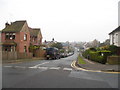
(80,60)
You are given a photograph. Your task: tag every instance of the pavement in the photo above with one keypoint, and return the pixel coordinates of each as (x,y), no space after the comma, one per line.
(91,65)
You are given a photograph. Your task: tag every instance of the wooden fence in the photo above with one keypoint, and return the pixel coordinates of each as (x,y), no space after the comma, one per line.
(15,55)
(113,59)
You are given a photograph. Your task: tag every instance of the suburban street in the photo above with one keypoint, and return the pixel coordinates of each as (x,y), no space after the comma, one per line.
(54,74)
(60,44)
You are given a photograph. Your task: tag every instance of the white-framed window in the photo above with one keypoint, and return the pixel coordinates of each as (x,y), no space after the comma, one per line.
(10,36)
(116,39)
(25,37)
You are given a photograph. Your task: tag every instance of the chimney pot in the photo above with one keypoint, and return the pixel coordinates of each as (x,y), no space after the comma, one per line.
(7,24)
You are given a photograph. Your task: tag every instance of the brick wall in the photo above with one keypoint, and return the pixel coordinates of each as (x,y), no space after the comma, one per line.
(118,51)
(39,53)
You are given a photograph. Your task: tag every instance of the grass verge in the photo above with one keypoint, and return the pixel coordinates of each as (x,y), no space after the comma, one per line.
(80,60)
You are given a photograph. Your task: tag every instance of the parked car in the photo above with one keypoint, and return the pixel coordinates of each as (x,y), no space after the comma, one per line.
(52,53)
(63,55)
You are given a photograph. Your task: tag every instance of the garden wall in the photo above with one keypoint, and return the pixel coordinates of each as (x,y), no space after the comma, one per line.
(113,59)
(39,53)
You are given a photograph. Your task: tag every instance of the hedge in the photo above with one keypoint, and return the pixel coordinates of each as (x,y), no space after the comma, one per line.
(97,55)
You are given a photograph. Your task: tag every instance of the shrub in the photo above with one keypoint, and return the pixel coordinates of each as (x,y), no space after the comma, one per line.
(113,49)
(57,45)
(33,47)
(97,55)
(86,53)
(104,47)
(105,53)
(93,49)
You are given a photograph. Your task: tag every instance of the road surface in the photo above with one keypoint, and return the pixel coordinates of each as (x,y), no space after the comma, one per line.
(54,74)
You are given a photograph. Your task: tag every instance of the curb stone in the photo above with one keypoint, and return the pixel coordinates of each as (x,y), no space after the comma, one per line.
(107,70)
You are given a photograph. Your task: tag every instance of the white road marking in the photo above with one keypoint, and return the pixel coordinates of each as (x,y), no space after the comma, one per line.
(43,67)
(32,67)
(38,65)
(54,68)
(7,66)
(19,67)
(69,69)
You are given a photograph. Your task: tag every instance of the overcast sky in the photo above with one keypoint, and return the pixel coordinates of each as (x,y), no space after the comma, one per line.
(64,20)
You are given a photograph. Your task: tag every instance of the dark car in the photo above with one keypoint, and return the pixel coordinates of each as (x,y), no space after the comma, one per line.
(52,53)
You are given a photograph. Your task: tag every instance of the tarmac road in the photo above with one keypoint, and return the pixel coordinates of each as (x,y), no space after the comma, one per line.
(54,74)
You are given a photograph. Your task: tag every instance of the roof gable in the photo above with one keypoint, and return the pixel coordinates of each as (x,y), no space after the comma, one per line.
(116,30)
(14,27)
(35,31)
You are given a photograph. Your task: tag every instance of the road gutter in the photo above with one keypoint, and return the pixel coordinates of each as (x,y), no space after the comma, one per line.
(73,65)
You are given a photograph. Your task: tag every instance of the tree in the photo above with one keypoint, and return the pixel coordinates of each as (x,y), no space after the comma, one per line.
(106,42)
(95,43)
(93,49)
(57,45)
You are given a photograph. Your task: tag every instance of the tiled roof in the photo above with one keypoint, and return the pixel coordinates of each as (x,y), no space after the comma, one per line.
(34,31)
(116,30)
(14,27)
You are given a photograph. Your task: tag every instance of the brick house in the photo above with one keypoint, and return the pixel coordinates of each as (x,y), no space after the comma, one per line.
(16,37)
(35,36)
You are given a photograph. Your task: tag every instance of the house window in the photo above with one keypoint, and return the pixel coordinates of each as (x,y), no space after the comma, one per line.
(7,36)
(113,40)
(116,38)
(25,37)
(10,36)
(34,39)
(25,49)
(9,48)
(40,40)
(13,36)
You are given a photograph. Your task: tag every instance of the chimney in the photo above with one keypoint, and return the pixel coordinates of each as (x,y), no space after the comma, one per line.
(53,40)
(7,24)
